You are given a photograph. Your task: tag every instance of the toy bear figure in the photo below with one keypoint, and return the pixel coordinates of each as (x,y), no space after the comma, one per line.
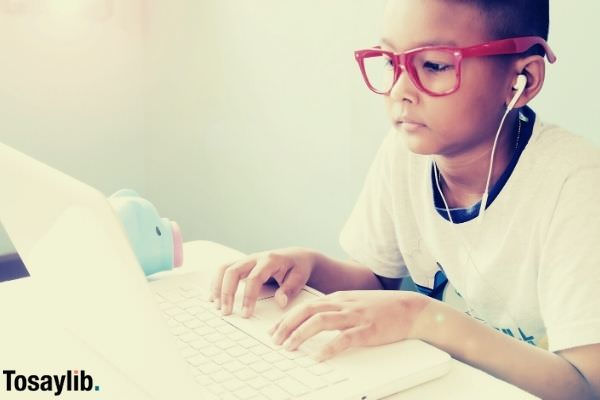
(157,242)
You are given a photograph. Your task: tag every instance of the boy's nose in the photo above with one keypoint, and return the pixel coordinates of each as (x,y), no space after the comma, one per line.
(404,89)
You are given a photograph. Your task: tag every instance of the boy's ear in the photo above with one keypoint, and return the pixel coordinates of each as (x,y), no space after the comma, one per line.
(534,68)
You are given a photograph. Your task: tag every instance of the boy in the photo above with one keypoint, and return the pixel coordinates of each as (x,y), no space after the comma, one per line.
(526,264)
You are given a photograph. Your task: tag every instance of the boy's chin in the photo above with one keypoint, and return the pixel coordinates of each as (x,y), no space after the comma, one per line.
(419,145)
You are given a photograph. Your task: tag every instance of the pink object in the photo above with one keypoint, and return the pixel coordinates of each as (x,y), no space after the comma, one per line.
(177,245)
(405,61)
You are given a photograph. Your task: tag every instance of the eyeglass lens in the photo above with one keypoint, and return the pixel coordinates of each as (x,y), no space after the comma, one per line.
(435,70)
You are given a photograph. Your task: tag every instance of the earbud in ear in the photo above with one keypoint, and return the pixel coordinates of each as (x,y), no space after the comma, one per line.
(521,83)
(519,87)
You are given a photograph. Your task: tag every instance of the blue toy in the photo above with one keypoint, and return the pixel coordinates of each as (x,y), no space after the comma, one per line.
(157,242)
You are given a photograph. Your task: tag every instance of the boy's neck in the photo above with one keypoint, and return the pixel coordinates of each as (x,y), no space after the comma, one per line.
(464,175)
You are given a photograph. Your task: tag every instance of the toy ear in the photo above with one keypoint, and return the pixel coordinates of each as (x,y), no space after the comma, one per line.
(126,193)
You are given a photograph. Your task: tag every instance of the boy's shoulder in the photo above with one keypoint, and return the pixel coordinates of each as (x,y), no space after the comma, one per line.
(558,150)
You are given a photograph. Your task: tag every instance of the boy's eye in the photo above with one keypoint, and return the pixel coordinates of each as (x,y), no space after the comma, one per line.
(387,62)
(436,67)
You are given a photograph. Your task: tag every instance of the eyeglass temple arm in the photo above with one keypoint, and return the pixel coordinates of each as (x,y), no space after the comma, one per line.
(510,46)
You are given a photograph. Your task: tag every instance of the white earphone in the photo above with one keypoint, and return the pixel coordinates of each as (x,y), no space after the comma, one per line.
(519,87)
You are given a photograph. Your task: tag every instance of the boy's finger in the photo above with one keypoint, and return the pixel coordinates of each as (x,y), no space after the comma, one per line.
(348,338)
(325,321)
(261,273)
(296,316)
(216,283)
(231,280)
(293,282)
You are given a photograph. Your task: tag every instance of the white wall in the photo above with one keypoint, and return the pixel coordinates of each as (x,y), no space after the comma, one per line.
(260,107)
(571,95)
(71,89)
(245,121)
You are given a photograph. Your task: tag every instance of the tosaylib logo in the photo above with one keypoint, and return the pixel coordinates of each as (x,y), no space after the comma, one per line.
(72,381)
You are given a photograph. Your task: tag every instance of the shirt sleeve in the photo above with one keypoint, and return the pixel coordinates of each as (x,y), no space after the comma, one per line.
(569,276)
(369,235)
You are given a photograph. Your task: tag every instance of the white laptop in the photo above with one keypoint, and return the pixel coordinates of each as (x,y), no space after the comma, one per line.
(161,338)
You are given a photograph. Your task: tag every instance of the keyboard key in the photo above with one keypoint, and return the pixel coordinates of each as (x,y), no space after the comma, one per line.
(236,351)
(203,330)
(313,382)
(216,388)
(258,383)
(305,362)
(248,342)
(292,386)
(261,366)
(183,317)
(221,376)
(226,329)
(273,392)
(246,393)
(199,343)
(273,374)
(234,366)
(216,322)
(233,385)
(248,359)
(189,336)
(214,337)
(260,350)
(172,296)
(193,323)
(204,380)
(198,359)
(222,358)
(195,310)
(194,293)
(173,324)
(179,330)
(208,368)
(334,377)
(246,374)
(225,344)
(237,335)
(210,351)
(188,352)
(320,369)
(291,355)
(187,303)
(273,357)
(285,365)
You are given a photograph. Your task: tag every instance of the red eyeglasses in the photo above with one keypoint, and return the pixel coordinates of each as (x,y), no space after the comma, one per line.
(434,69)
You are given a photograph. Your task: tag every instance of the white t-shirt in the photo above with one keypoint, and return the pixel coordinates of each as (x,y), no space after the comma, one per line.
(535,269)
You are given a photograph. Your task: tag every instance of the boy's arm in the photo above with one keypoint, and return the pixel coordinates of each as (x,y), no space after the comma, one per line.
(567,374)
(330,275)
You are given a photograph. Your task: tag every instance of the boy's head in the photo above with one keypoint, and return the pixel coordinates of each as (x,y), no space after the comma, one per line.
(513,18)
(468,118)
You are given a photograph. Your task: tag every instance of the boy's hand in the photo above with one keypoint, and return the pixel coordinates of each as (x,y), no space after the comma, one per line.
(290,268)
(365,318)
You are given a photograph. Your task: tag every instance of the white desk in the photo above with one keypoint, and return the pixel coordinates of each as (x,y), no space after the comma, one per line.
(462,382)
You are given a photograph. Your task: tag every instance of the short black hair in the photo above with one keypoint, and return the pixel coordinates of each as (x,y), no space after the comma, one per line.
(512,18)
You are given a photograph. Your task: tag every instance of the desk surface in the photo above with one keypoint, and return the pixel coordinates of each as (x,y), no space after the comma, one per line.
(462,382)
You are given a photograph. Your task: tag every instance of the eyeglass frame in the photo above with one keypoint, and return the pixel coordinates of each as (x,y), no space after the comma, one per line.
(402,61)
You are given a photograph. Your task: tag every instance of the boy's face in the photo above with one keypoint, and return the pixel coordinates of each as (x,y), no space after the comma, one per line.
(456,123)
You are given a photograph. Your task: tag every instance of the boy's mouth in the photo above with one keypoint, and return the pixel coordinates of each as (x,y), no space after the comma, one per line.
(409,125)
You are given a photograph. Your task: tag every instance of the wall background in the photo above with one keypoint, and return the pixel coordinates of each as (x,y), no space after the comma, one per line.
(245,121)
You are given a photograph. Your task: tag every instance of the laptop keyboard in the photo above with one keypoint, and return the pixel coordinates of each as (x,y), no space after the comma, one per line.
(230,363)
